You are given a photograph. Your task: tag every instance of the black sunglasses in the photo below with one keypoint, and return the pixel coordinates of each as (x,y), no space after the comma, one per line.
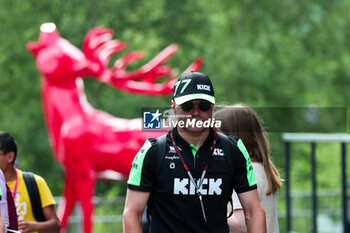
(203,105)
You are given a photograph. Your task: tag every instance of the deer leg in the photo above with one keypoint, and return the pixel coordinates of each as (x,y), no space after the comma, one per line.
(85,188)
(68,203)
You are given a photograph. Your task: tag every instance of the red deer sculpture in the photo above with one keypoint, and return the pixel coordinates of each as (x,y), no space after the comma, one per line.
(84,140)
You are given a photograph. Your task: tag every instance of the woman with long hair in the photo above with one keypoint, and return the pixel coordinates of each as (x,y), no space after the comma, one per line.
(241,121)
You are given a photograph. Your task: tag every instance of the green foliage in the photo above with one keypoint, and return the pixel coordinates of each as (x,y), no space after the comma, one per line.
(263,53)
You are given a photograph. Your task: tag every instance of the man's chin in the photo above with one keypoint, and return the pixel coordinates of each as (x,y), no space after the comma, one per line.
(193,125)
(195,129)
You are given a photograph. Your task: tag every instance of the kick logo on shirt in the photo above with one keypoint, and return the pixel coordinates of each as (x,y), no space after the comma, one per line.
(210,186)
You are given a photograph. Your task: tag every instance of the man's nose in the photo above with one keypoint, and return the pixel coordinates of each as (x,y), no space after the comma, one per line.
(195,110)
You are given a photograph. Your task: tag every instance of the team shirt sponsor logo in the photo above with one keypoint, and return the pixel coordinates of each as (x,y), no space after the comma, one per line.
(218,152)
(172,149)
(210,186)
(172,157)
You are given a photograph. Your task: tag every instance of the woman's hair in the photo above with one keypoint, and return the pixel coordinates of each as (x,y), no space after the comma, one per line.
(241,121)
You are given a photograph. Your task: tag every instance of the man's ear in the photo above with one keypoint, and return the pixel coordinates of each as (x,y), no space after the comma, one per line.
(212,107)
(173,104)
(10,157)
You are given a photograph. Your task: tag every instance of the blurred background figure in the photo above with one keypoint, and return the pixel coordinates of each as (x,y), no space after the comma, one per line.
(241,121)
(3,200)
(3,204)
(26,211)
(2,225)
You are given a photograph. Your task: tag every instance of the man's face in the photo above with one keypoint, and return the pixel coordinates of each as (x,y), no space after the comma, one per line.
(194,110)
(6,160)
(3,160)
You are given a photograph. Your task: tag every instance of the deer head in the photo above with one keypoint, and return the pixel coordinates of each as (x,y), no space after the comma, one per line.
(59,61)
(56,58)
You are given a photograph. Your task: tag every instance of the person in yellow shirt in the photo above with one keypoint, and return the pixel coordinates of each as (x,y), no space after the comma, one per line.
(14,178)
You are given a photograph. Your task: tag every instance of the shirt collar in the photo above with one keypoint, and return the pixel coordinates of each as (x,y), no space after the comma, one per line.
(181,143)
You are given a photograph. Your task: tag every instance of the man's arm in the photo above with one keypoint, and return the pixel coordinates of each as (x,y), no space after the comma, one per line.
(253,211)
(237,222)
(51,225)
(135,203)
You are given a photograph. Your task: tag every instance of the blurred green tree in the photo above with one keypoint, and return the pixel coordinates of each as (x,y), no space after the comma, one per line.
(263,53)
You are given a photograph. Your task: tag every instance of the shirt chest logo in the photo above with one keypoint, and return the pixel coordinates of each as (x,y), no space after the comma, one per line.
(218,152)
(210,186)
(172,149)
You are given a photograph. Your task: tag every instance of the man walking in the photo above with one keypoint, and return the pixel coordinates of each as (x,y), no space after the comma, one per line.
(191,190)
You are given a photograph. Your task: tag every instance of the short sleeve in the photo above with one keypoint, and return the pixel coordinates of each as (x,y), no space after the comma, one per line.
(141,175)
(244,179)
(45,193)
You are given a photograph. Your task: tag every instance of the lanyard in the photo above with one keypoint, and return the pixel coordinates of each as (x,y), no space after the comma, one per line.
(15,187)
(197,186)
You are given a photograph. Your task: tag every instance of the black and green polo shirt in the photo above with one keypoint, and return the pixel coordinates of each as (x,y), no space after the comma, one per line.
(175,206)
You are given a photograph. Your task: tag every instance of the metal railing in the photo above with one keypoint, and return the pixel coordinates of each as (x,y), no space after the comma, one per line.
(313,139)
(104,218)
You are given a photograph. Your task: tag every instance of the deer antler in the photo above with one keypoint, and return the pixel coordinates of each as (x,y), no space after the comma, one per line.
(98,48)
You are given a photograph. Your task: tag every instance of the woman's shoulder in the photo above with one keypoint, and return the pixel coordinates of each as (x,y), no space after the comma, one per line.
(258,167)
(260,174)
